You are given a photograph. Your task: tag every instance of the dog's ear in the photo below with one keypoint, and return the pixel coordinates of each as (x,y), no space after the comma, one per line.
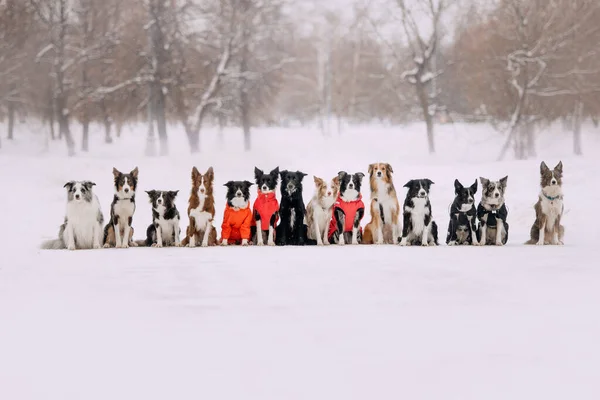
(336,181)
(283,173)
(474,187)
(173,193)
(484,181)
(301,175)
(429,182)
(341,175)
(409,183)
(135,172)
(210,173)
(360,176)
(503,181)
(389,167)
(195,174)
(248,183)
(544,168)
(229,184)
(257,173)
(318,181)
(88,184)
(559,167)
(458,186)
(69,185)
(275,172)
(151,194)
(116,172)
(371,167)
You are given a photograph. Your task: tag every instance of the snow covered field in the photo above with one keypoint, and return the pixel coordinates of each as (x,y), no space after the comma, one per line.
(363,322)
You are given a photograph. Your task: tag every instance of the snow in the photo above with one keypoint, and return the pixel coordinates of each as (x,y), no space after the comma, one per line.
(358,322)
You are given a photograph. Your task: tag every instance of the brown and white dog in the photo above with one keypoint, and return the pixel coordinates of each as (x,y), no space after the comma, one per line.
(549,208)
(383,227)
(319,210)
(201,211)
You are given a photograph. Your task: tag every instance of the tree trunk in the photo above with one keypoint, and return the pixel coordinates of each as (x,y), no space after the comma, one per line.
(424,102)
(530,139)
(244,89)
(51,118)
(577,117)
(107,125)
(161,122)
(85,138)
(193,140)
(150,139)
(11,120)
(63,126)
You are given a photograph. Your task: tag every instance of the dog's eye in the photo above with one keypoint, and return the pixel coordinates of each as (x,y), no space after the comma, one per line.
(82,190)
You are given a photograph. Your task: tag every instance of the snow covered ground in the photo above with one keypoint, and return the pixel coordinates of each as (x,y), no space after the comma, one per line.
(364,322)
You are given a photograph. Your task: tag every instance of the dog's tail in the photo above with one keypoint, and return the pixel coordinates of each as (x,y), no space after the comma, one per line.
(54,244)
(141,243)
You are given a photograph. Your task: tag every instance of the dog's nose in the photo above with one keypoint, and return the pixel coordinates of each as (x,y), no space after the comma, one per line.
(351,186)
(126,190)
(378,173)
(422,193)
(496,195)
(159,201)
(201,190)
(553,182)
(77,196)
(470,201)
(329,193)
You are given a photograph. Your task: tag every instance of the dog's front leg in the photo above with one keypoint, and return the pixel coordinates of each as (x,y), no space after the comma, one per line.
(556,239)
(340,217)
(176,233)
(542,237)
(126,233)
(70,237)
(405,229)
(499,227)
(259,233)
(96,236)
(191,233)
(117,229)
(483,235)
(356,226)
(451,237)
(159,241)
(206,234)
(318,235)
(426,228)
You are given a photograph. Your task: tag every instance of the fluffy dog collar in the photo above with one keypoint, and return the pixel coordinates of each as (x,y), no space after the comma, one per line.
(552,198)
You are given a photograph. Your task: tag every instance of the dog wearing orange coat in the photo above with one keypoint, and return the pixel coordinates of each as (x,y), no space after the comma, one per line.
(237,220)
(266,208)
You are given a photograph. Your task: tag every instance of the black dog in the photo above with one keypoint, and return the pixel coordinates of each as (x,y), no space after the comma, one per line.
(266,207)
(462,228)
(348,211)
(291,229)
(164,230)
(419,227)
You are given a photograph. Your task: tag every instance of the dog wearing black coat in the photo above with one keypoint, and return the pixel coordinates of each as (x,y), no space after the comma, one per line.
(419,227)
(492,213)
(292,227)
(462,228)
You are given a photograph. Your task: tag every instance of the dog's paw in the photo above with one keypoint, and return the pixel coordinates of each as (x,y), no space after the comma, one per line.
(178,244)
(354,241)
(244,242)
(539,243)
(96,246)
(204,244)
(71,247)
(325,243)
(156,245)
(224,243)
(118,245)
(133,244)
(424,244)
(452,243)
(270,243)
(499,244)
(125,246)
(403,242)
(260,243)
(300,242)
(379,241)
(107,246)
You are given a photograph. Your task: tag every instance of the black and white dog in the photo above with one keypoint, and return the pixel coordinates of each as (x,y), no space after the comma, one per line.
(492,213)
(292,228)
(265,212)
(164,230)
(82,228)
(348,210)
(419,227)
(462,228)
(119,232)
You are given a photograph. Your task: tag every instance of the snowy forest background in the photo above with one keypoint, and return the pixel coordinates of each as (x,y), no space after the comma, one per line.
(517,65)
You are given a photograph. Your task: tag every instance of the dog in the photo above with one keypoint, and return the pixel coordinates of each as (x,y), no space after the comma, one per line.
(320,209)
(291,229)
(549,208)
(82,228)
(419,226)
(164,230)
(383,227)
(237,219)
(462,228)
(119,232)
(265,210)
(348,210)
(492,213)
(201,211)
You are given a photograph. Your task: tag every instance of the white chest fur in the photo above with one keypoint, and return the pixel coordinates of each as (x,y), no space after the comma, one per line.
(82,218)
(551,209)
(202,218)
(124,209)
(167,227)
(418,213)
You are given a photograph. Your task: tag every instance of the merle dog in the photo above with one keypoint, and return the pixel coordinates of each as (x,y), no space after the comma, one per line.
(419,227)
(462,228)
(292,228)
(492,213)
